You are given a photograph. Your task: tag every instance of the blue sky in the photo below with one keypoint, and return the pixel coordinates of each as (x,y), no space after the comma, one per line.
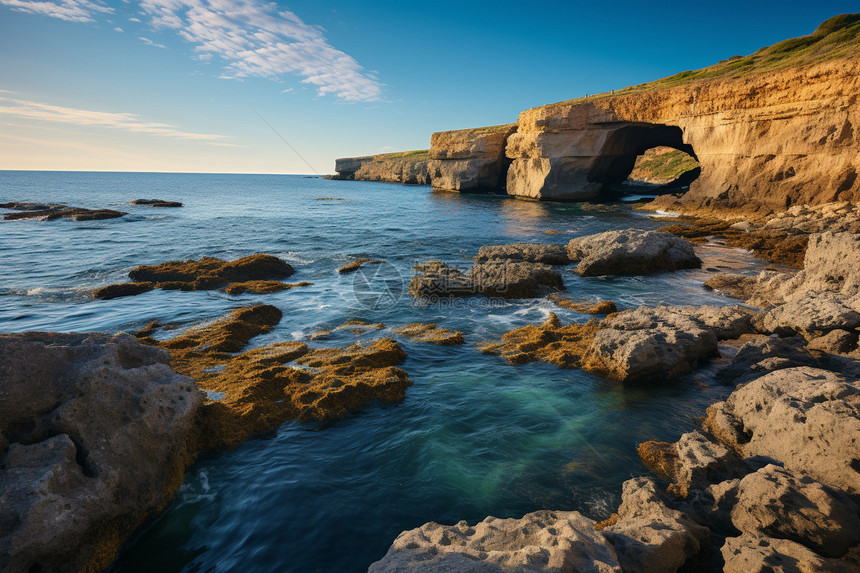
(194,85)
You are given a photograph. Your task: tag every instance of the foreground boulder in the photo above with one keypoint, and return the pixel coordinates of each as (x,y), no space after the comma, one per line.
(545,541)
(752,553)
(207,273)
(805,418)
(631,252)
(649,536)
(96,433)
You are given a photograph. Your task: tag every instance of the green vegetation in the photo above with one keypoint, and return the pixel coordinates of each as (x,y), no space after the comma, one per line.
(484,130)
(662,165)
(417,154)
(835,38)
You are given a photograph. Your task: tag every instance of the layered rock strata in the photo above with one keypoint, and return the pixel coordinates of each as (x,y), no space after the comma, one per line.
(409,167)
(470,160)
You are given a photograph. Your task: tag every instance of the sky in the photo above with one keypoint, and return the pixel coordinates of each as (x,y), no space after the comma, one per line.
(255,86)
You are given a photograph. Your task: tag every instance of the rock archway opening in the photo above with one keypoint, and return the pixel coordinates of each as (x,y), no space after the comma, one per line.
(645,159)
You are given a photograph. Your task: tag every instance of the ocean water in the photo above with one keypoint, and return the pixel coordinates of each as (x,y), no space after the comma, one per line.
(474,436)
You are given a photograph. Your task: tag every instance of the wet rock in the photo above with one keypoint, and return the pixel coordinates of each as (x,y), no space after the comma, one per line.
(649,342)
(584,306)
(23,206)
(357,264)
(98,431)
(430,333)
(752,553)
(527,252)
(123,289)
(777,503)
(258,390)
(545,541)
(650,537)
(631,252)
(207,273)
(550,342)
(808,419)
(54,212)
(661,458)
(809,316)
(261,287)
(156,203)
(512,279)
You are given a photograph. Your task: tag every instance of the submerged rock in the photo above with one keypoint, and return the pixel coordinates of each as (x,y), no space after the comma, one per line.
(430,333)
(631,252)
(550,342)
(98,432)
(543,541)
(251,273)
(357,264)
(262,287)
(156,203)
(584,306)
(257,390)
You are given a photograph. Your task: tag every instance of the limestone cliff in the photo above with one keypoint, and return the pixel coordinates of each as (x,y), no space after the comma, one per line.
(405,167)
(470,160)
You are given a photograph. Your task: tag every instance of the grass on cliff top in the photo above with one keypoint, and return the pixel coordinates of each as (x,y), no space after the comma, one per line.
(483,130)
(417,154)
(666,166)
(835,38)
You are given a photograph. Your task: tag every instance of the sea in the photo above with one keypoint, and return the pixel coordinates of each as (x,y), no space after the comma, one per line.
(474,437)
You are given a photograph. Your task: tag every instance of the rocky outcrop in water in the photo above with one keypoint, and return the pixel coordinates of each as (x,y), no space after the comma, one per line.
(495,278)
(253,273)
(52,212)
(156,203)
(631,252)
(94,439)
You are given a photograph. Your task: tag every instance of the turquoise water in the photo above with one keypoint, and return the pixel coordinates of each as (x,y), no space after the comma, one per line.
(474,436)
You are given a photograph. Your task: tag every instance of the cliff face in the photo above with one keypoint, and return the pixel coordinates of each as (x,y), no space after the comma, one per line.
(407,167)
(764,142)
(470,160)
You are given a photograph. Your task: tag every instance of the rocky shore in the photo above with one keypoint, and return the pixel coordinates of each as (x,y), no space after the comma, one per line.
(771,479)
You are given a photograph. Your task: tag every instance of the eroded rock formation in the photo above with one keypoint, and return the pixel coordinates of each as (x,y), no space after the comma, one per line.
(470,160)
(409,167)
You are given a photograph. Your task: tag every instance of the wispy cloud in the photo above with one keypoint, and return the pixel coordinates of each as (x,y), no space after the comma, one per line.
(137,20)
(117,29)
(254,38)
(70,10)
(25,109)
(149,42)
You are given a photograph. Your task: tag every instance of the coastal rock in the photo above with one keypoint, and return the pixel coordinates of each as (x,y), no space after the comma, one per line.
(830,265)
(752,553)
(808,419)
(836,341)
(261,287)
(734,285)
(584,306)
(650,537)
(514,279)
(430,333)
(649,342)
(357,264)
(54,212)
(527,252)
(631,252)
(257,390)
(437,279)
(810,316)
(408,167)
(764,354)
(550,342)
(156,203)
(543,541)
(207,273)
(98,432)
(702,462)
(777,503)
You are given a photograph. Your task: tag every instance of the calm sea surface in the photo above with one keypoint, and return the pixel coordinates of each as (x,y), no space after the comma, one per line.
(475,436)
